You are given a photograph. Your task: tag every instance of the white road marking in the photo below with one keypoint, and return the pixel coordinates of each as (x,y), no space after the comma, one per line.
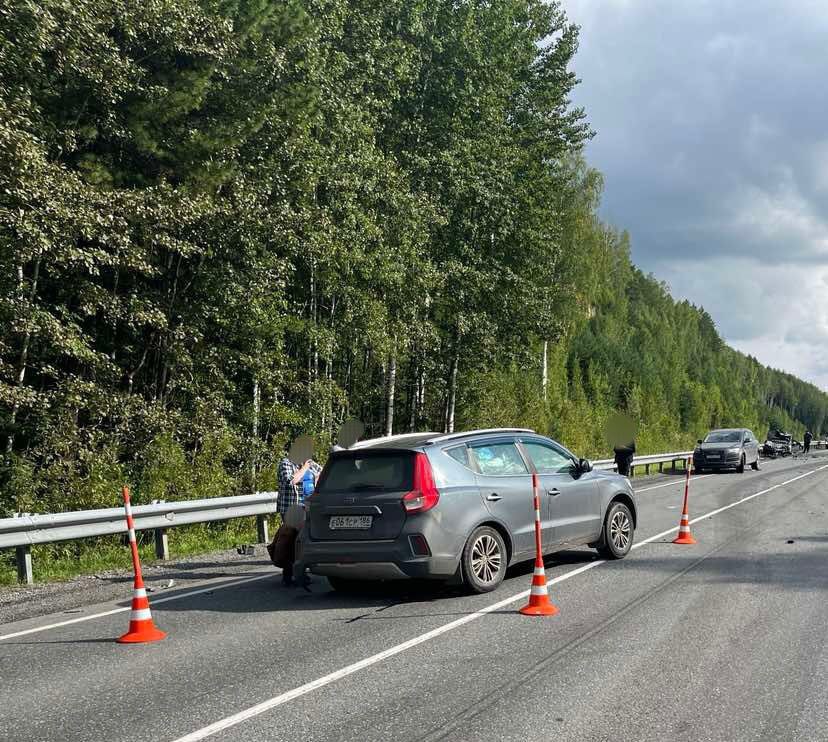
(302,690)
(670,484)
(124,609)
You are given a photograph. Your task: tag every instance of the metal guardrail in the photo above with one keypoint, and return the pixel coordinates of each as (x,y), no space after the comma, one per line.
(26,530)
(656,459)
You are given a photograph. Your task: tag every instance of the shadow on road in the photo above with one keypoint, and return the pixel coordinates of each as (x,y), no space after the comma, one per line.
(269,595)
(183,571)
(789,568)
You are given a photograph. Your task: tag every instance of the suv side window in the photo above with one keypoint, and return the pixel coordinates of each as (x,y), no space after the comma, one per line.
(547,459)
(460,454)
(498,459)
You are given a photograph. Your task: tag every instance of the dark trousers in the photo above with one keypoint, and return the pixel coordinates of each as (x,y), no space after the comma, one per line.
(623,466)
(296,567)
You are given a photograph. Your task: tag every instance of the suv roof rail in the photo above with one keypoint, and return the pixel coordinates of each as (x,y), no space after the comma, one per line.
(483,431)
(399,437)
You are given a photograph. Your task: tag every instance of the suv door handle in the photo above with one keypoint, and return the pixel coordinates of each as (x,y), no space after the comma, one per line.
(553,493)
(494,497)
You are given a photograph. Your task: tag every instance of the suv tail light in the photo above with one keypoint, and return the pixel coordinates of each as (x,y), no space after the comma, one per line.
(424,495)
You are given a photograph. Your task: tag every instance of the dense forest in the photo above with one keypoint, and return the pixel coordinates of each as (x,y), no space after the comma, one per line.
(224,223)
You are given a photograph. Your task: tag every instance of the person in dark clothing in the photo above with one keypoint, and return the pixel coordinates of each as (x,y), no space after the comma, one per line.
(624,457)
(807,441)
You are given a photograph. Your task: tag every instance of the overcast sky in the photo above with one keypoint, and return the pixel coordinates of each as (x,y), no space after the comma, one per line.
(712,135)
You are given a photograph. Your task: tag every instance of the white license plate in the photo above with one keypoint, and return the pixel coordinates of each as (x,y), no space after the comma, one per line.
(350,521)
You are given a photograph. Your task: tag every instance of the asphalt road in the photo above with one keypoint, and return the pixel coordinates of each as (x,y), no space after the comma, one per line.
(725,640)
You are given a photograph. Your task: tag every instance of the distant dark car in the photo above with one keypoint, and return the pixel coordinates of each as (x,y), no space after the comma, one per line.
(778,443)
(728,448)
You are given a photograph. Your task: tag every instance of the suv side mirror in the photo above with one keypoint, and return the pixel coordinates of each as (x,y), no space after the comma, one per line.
(699,441)
(584,466)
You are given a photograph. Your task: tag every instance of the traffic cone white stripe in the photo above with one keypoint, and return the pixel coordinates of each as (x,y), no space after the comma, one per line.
(539,604)
(141,627)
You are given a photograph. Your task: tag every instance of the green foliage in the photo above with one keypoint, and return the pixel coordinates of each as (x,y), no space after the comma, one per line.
(226,224)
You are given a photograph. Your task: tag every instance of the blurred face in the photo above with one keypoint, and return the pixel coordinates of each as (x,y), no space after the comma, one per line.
(620,430)
(301,450)
(350,432)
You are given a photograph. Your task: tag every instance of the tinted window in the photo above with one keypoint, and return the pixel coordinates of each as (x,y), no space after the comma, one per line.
(498,459)
(547,460)
(724,436)
(354,472)
(460,454)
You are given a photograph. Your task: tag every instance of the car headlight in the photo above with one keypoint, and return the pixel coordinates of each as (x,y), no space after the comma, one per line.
(734,450)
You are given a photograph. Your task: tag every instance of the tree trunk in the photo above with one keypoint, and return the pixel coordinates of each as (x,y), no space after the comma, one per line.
(412,397)
(544,369)
(255,431)
(389,394)
(348,385)
(378,405)
(452,393)
(24,352)
(421,390)
(314,319)
(131,374)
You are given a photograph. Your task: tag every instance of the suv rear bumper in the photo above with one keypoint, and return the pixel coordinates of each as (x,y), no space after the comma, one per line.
(375,560)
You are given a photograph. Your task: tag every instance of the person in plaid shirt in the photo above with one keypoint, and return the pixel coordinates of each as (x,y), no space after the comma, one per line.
(290,483)
(295,483)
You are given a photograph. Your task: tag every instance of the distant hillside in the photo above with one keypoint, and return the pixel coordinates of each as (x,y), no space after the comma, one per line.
(661,360)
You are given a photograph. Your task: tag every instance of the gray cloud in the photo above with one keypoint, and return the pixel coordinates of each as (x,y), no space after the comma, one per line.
(711,134)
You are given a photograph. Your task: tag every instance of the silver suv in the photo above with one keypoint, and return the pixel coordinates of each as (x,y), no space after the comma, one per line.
(458,507)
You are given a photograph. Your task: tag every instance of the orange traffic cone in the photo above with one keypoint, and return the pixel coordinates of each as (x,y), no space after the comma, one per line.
(684,535)
(141,627)
(539,603)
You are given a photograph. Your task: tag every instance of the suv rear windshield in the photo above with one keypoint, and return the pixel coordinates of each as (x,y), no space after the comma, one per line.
(368,471)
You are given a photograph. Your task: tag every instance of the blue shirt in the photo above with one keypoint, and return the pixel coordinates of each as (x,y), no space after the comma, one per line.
(308,482)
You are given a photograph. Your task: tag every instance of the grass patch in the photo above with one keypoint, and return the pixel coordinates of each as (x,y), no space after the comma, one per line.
(63,561)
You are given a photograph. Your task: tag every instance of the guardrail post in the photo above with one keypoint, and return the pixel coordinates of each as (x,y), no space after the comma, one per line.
(261,529)
(646,468)
(23,556)
(660,467)
(24,565)
(162,542)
